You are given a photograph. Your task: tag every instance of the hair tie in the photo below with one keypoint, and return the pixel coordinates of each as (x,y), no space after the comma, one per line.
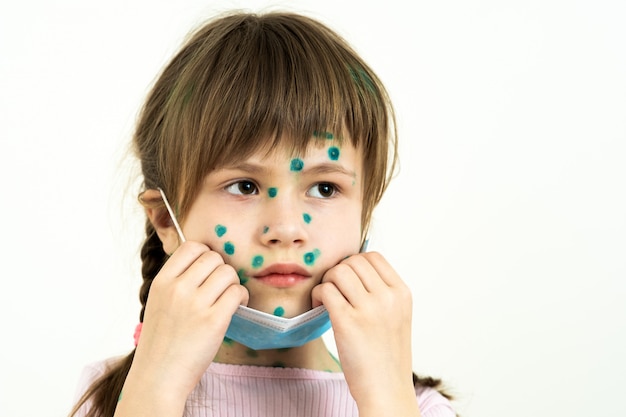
(137,333)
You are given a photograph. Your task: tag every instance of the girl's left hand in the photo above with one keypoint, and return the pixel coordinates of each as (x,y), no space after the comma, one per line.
(370,308)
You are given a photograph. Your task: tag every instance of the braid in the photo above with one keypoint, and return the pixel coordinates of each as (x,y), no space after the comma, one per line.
(152,260)
(104,393)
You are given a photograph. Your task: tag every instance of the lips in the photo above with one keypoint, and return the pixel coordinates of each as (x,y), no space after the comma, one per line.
(282,275)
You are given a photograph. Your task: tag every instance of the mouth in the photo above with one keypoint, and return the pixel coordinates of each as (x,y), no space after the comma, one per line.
(282,275)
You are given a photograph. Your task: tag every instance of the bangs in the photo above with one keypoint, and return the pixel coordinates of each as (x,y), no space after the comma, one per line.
(251,82)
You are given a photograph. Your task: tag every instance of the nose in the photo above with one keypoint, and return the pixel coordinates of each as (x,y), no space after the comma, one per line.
(283,224)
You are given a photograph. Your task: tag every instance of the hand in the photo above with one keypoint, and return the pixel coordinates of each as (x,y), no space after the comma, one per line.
(370,308)
(189,308)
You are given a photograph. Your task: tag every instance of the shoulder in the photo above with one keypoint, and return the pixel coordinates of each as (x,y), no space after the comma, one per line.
(432,403)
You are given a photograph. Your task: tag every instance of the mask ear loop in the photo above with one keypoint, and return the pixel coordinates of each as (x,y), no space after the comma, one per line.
(171,212)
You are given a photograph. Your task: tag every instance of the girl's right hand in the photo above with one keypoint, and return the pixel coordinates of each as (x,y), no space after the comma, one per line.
(191,302)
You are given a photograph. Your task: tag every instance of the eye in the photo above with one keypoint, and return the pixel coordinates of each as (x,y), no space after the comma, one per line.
(242,188)
(322,190)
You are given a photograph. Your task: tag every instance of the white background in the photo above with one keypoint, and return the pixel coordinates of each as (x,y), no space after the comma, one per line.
(508,217)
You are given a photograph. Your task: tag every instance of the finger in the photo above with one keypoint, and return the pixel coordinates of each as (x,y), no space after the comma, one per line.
(223,277)
(331,297)
(347,281)
(202,267)
(370,277)
(181,259)
(384,269)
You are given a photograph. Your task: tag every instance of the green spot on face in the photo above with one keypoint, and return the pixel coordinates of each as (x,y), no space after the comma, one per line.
(307,218)
(272,192)
(326,135)
(333,153)
(228,341)
(243,278)
(252,353)
(279,311)
(120,397)
(220,230)
(257,261)
(310,257)
(297,164)
(229,248)
(266,229)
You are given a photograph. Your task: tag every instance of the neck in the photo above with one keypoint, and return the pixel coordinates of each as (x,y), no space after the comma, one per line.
(313,355)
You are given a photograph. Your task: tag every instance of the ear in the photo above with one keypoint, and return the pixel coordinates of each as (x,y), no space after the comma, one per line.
(161,221)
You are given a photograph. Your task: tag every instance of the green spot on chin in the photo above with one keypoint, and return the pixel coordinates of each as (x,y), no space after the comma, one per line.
(333,153)
(243,278)
(220,230)
(310,257)
(257,261)
(297,164)
(229,248)
(307,218)
(272,192)
(279,311)
(228,341)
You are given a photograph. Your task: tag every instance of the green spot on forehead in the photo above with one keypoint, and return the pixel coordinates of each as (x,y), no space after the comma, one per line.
(279,311)
(229,248)
(297,164)
(272,192)
(307,218)
(243,278)
(311,257)
(220,230)
(257,261)
(326,135)
(333,153)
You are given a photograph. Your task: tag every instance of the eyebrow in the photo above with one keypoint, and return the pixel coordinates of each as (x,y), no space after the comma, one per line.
(323,168)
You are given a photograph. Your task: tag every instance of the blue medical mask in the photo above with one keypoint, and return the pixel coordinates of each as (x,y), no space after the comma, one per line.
(259,330)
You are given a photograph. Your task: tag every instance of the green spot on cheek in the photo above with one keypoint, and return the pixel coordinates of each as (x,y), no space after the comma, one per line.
(307,218)
(220,230)
(297,164)
(120,397)
(229,248)
(257,261)
(279,311)
(310,257)
(272,192)
(333,153)
(243,278)
(266,229)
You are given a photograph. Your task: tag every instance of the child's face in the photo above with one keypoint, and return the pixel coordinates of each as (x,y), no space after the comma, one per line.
(282,221)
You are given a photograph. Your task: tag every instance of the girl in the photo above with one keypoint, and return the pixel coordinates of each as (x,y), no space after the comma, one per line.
(274,142)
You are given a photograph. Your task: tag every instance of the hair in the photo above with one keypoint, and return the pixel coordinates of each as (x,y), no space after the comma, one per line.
(244,83)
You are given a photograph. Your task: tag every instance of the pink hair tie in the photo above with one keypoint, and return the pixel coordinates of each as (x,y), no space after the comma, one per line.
(137,333)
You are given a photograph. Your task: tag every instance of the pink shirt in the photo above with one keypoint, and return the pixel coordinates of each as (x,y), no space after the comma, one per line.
(255,391)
